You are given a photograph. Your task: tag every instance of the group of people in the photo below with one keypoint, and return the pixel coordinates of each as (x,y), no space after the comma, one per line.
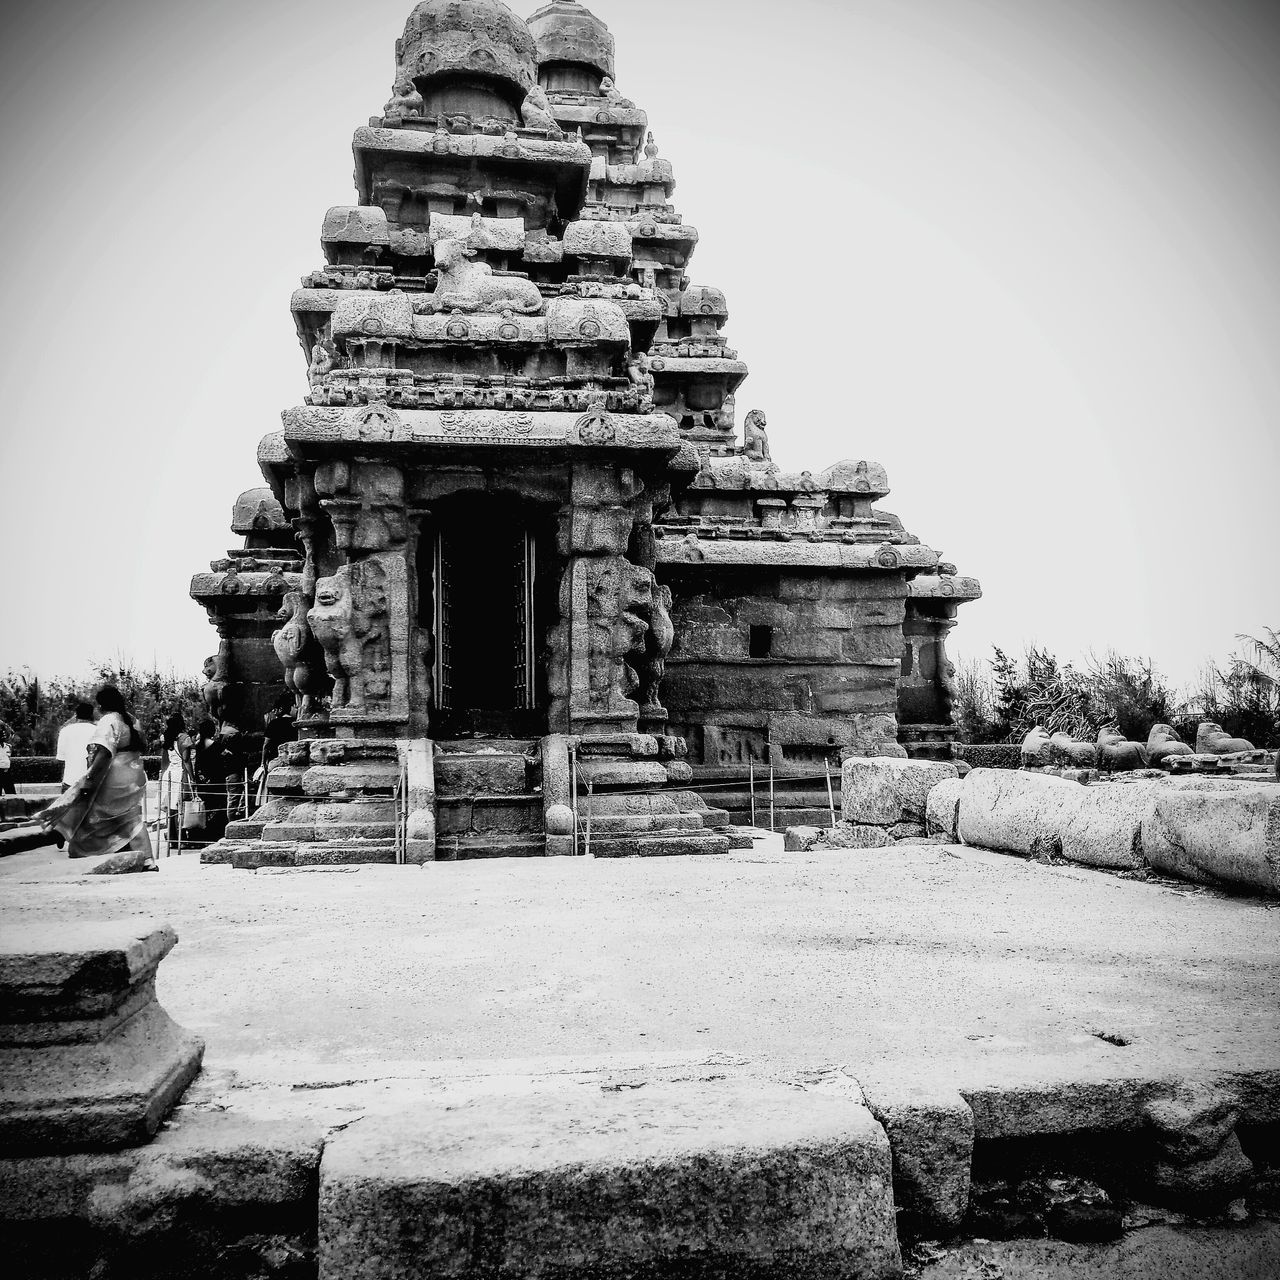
(101,808)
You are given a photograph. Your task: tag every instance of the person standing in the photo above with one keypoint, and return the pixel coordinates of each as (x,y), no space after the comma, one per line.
(101,812)
(178,747)
(73,744)
(6,761)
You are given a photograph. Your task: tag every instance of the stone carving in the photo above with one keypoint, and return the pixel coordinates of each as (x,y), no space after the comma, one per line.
(650,147)
(302,660)
(349,615)
(322,363)
(657,645)
(465,285)
(535,112)
(1064,749)
(1212,739)
(214,692)
(1116,752)
(1163,742)
(596,427)
(406,103)
(1035,748)
(639,372)
(756,438)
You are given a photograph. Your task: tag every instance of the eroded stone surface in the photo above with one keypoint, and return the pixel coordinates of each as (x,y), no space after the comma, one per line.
(599,1183)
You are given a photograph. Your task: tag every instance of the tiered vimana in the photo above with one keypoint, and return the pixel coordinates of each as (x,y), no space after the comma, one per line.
(526,525)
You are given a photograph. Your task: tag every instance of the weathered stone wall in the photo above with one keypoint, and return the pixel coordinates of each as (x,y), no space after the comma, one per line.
(783,665)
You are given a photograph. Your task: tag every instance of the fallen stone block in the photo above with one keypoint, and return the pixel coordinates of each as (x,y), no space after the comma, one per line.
(1105,825)
(737,1176)
(88,1059)
(1013,811)
(1217,835)
(883,791)
(852,835)
(942,808)
(800,839)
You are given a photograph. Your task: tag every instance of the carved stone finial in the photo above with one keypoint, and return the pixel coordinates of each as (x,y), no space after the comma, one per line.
(651,148)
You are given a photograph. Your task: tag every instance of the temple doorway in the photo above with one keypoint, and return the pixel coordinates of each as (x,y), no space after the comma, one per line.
(488,614)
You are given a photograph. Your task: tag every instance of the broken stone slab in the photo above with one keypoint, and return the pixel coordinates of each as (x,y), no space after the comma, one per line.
(88,1058)
(1230,836)
(800,839)
(883,791)
(942,808)
(853,835)
(701,1176)
(210,1181)
(930,1131)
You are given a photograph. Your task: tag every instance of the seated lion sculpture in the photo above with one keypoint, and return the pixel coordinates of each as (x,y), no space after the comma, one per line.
(1064,749)
(1035,748)
(1212,739)
(1117,753)
(1163,743)
(465,285)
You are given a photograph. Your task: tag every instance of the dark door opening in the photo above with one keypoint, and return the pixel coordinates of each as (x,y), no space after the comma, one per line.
(485,586)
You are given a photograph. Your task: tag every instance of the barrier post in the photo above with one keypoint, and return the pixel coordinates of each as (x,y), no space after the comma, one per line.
(751,774)
(831,799)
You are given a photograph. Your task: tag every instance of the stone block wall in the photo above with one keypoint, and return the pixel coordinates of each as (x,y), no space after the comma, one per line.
(784,666)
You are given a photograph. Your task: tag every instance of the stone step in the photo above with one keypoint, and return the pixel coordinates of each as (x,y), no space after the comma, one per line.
(651,802)
(330,853)
(474,775)
(672,844)
(489,814)
(609,824)
(689,1178)
(475,847)
(486,746)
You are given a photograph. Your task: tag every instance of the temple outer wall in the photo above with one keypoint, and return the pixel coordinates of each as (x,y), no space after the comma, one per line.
(785,667)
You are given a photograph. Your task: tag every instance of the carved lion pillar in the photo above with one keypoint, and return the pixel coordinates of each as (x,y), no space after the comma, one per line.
(602,602)
(362,613)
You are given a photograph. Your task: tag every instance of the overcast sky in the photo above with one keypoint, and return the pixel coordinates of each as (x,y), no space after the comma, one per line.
(1024,253)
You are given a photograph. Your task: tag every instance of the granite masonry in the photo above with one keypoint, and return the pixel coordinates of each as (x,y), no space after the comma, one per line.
(515,544)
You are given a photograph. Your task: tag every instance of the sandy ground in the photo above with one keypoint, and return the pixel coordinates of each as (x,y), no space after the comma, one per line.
(934,961)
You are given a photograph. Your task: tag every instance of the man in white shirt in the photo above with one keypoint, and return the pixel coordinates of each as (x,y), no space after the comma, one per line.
(73,744)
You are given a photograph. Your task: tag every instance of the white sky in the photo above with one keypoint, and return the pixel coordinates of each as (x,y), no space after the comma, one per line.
(1025,253)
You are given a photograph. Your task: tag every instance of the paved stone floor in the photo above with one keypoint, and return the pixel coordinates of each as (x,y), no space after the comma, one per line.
(934,961)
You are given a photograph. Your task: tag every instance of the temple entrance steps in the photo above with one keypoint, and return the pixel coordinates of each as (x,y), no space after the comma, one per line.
(489,799)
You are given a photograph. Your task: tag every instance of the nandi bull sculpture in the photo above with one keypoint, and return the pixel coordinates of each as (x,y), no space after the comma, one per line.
(465,285)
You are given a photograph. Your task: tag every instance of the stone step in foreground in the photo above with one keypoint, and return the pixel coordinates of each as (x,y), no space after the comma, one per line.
(724,1177)
(89,1060)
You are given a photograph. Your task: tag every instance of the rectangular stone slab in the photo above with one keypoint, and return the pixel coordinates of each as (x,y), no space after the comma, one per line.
(100,1096)
(73,972)
(726,1177)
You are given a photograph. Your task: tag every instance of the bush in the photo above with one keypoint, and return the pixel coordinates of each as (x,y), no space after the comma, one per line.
(991,755)
(46,769)
(35,709)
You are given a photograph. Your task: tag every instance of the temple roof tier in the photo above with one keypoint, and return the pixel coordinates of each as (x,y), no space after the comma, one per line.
(794,553)
(480,39)
(865,479)
(233,582)
(380,424)
(393,316)
(944,587)
(507,158)
(565,32)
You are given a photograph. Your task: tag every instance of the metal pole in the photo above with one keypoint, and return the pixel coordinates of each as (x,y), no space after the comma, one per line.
(590,787)
(831,799)
(573,794)
(773,826)
(751,773)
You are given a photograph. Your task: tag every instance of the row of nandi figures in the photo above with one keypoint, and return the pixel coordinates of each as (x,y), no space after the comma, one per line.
(1163,749)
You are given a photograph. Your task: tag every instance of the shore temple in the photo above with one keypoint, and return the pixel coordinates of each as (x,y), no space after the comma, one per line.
(521,542)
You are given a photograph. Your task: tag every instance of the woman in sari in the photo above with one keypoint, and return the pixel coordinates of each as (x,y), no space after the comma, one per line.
(101,813)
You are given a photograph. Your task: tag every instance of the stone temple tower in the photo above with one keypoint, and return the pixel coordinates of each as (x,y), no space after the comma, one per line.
(514,544)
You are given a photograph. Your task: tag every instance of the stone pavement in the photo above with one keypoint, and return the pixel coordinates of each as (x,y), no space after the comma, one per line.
(928,987)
